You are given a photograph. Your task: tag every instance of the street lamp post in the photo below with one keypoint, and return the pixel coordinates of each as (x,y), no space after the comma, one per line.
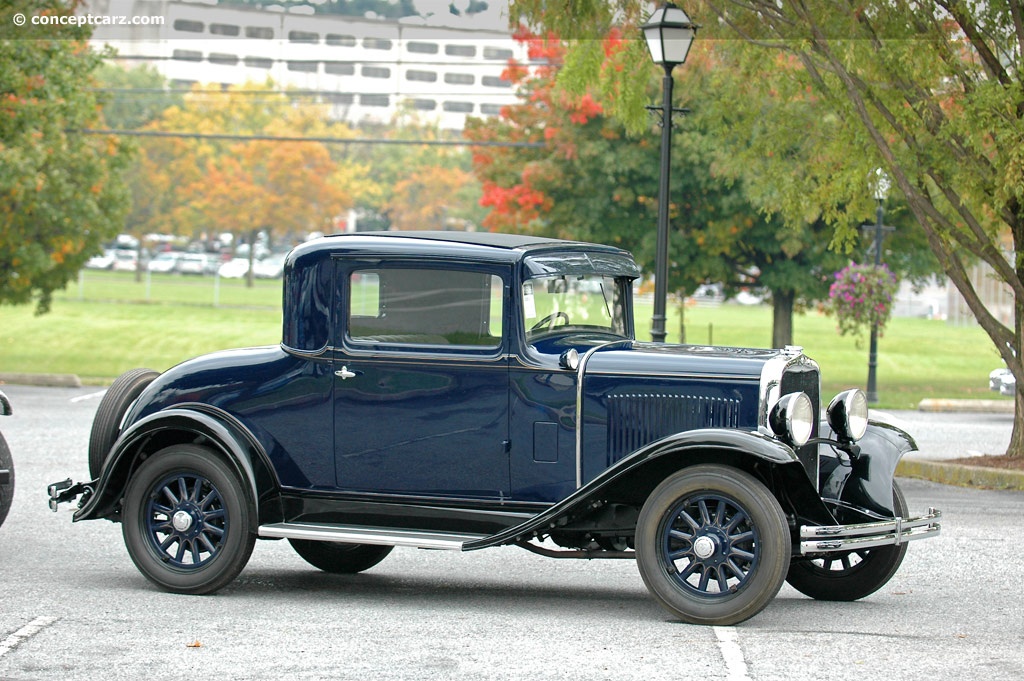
(669,34)
(879,185)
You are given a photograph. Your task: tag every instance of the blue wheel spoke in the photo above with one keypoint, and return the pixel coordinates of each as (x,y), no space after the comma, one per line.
(705,577)
(736,520)
(218,514)
(688,519)
(723,581)
(704,516)
(745,555)
(207,544)
(735,569)
(720,513)
(170,495)
(742,537)
(166,543)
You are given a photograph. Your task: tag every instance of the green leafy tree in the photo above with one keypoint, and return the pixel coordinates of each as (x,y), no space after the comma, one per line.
(61,192)
(929,90)
(133,97)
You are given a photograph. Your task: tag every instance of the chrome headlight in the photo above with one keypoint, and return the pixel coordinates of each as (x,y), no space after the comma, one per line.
(792,418)
(847,415)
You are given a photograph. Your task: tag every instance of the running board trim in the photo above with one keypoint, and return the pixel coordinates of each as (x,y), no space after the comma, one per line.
(354,534)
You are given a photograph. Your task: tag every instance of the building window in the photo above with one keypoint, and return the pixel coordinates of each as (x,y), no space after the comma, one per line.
(341,98)
(187,55)
(494,81)
(258,62)
(421,47)
(377,43)
(460,50)
(303,37)
(497,53)
(339,68)
(188,26)
(183,84)
(224,29)
(421,76)
(375,100)
(423,104)
(459,78)
(458,107)
(303,66)
(340,40)
(259,32)
(220,58)
(375,72)
(490,109)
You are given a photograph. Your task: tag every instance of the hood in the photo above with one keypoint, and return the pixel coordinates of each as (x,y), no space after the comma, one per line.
(664,360)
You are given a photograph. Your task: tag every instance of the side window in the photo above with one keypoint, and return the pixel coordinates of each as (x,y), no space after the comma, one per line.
(425,307)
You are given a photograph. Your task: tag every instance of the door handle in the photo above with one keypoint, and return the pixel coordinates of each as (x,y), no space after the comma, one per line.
(345,374)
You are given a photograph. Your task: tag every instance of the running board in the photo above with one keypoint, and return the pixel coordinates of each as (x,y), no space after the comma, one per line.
(353,534)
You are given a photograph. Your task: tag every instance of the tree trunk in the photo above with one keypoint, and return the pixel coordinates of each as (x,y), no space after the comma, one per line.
(250,276)
(682,317)
(782,318)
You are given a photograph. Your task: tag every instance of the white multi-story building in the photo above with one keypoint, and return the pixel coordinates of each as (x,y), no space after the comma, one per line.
(365,68)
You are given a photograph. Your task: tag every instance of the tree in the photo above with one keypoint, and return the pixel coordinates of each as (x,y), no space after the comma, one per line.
(61,192)
(718,235)
(929,90)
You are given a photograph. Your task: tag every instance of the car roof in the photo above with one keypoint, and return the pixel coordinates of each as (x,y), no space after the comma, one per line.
(483,246)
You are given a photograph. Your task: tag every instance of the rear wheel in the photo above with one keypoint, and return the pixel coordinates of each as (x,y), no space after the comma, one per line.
(852,575)
(338,557)
(6,489)
(106,425)
(712,545)
(187,522)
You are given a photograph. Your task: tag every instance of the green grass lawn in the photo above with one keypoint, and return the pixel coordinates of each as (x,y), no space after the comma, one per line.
(112,323)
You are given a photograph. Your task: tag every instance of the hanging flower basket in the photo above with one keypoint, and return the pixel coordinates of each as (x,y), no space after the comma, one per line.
(860,296)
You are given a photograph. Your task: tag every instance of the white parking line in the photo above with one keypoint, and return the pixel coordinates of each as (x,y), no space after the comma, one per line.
(90,396)
(728,643)
(26,632)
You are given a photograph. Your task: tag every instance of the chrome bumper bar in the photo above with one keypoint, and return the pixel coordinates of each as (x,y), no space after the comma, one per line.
(834,538)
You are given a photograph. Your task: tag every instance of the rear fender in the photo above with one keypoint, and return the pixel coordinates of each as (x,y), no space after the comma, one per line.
(191,424)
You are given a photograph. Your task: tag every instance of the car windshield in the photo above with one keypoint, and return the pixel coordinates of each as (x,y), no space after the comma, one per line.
(560,303)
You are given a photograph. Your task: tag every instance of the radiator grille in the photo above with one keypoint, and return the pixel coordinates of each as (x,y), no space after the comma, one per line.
(637,419)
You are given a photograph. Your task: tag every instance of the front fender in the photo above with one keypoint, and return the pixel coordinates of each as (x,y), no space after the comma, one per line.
(865,481)
(185,423)
(632,479)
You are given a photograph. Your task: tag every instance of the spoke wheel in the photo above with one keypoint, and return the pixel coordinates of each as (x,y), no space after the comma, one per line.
(338,557)
(187,521)
(852,575)
(712,545)
(6,491)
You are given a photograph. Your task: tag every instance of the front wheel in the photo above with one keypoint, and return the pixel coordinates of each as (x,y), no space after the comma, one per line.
(187,522)
(852,575)
(338,557)
(712,545)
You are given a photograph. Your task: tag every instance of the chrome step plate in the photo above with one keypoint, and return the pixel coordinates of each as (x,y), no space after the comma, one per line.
(354,534)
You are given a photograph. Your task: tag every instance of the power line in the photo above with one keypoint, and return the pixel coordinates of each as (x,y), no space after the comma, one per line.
(323,140)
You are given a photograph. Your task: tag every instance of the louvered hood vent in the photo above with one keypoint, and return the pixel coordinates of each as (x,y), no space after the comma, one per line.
(636,419)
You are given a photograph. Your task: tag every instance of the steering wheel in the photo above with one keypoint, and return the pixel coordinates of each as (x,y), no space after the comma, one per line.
(549,321)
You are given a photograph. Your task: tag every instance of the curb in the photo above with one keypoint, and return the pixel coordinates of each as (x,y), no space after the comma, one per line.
(45,380)
(967,406)
(960,475)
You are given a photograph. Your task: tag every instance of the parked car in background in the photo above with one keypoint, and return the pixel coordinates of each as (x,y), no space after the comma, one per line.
(271,267)
(103,261)
(167,261)
(236,268)
(194,263)
(1002,382)
(125,260)
(462,391)
(6,465)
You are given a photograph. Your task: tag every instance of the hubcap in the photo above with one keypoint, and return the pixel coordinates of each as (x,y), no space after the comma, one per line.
(704,547)
(181,521)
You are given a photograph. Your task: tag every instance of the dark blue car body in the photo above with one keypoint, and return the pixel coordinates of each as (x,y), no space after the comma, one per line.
(420,397)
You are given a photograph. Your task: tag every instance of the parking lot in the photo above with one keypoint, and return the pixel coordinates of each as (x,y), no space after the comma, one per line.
(75,607)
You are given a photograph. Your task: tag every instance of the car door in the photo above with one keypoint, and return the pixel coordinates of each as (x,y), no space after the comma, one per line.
(421,381)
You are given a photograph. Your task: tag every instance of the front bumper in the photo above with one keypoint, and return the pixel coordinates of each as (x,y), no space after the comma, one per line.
(836,538)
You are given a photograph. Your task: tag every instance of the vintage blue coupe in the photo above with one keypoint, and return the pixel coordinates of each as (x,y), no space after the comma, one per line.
(461,391)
